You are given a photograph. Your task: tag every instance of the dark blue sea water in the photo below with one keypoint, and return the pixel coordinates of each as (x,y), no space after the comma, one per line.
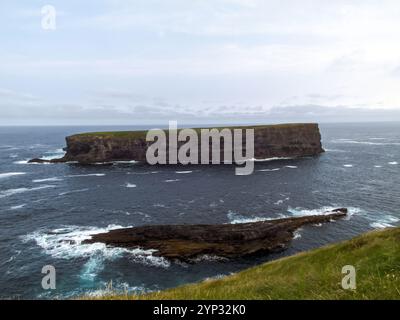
(40,205)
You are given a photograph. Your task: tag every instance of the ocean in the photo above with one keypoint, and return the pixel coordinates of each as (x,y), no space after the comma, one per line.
(47,210)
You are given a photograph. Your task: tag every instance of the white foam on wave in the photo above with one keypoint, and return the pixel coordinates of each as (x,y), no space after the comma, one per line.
(73,191)
(139,173)
(183,172)
(110,290)
(38,145)
(348,166)
(382,221)
(125,162)
(236,218)
(86,175)
(271,159)
(66,243)
(172,180)
(366,142)
(335,150)
(281,201)
(377,166)
(21,161)
(269,170)
(53,154)
(291,167)
(301,212)
(130,185)
(209,258)
(11,192)
(49,155)
(11,174)
(17,207)
(159,205)
(297,234)
(33,163)
(140,213)
(391,218)
(393,163)
(54,179)
(380,225)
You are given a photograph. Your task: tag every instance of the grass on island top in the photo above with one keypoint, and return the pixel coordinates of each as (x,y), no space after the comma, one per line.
(315,274)
(142,133)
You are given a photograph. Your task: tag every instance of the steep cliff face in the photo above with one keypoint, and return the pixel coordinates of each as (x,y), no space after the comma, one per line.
(287,140)
(105,148)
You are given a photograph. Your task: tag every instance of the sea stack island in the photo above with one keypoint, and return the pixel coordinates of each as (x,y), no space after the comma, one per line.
(188,242)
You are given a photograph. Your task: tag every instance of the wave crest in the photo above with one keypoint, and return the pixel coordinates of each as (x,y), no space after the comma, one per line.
(66,243)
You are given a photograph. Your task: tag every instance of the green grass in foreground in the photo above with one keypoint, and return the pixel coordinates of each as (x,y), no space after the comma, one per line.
(310,275)
(142,133)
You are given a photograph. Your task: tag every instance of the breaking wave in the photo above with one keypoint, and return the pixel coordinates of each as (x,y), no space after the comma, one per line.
(11,174)
(386,221)
(33,163)
(130,185)
(17,207)
(236,218)
(380,225)
(73,191)
(272,159)
(209,258)
(11,192)
(281,201)
(54,179)
(86,175)
(301,212)
(54,154)
(125,162)
(297,234)
(366,142)
(269,170)
(334,150)
(111,290)
(66,243)
(21,161)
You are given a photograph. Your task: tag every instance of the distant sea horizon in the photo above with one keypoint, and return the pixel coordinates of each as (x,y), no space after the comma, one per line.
(199,124)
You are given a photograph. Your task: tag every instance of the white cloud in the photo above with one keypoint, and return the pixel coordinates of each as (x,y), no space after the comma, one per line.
(199,55)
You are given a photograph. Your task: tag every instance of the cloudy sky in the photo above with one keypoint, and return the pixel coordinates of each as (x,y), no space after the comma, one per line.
(199,61)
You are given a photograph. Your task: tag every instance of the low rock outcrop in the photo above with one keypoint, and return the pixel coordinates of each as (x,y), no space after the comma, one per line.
(187,242)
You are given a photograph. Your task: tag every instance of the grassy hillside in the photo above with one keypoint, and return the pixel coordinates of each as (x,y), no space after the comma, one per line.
(309,275)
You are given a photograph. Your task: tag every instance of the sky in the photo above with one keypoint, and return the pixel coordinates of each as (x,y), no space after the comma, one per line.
(199,61)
